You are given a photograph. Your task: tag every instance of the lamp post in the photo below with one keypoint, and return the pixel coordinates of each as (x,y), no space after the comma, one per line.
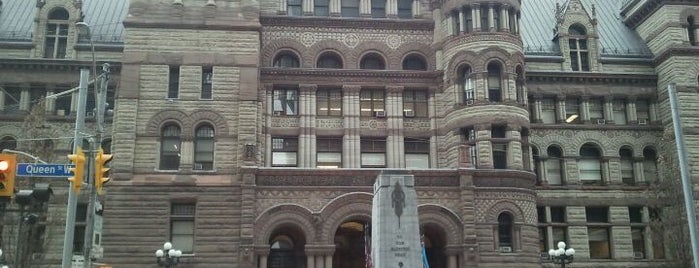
(168,256)
(562,255)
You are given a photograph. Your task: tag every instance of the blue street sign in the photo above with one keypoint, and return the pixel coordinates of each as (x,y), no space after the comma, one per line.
(43,170)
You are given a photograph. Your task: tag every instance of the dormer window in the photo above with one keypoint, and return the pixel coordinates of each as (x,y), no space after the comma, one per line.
(579,55)
(56,40)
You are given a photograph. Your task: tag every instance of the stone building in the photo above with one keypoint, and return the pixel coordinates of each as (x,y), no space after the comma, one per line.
(249,133)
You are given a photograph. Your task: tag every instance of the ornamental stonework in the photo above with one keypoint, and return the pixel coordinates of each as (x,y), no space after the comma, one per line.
(312,200)
(285,122)
(416,124)
(373,124)
(334,123)
(487,201)
(350,37)
(610,141)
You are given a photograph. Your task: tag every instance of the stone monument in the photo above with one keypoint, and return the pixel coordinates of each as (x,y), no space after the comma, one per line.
(395,232)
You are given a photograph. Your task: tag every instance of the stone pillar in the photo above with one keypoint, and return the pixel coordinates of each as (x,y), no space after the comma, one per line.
(24,99)
(329,260)
(476,10)
(604,164)
(560,109)
(307,123)
(261,251)
(282,7)
(608,108)
(307,7)
(365,8)
(536,112)
(647,235)
(484,146)
(638,175)
(514,147)
(335,7)
(395,156)
(517,24)
(491,18)
(505,18)
(320,261)
(351,151)
(391,8)
(462,21)
(50,103)
(585,109)
(631,110)
(652,111)
(417,10)
(450,23)
(542,169)
(187,154)
(269,92)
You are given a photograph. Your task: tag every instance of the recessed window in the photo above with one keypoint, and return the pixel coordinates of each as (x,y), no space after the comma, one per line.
(466,83)
(329,102)
(643,111)
(329,153)
(286,60)
(505,238)
(636,214)
(173,89)
(371,103)
(590,165)
(170,145)
(207,78)
(349,8)
(558,214)
(417,152)
(626,162)
(554,166)
(293,8)
(598,238)
(579,54)
(285,101)
(373,152)
(619,110)
(650,165)
(596,110)
(329,60)
(597,214)
(415,103)
(691,31)
(414,62)
(548,110)
(378,8)
(494,82)
(405,9)
(284,151)
(56,36)
(373,62)
(572,109)
(484,19)
(204,148)
(321,8)
(182,226)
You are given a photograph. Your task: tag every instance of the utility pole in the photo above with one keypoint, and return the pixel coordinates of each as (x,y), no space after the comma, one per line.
(72,195)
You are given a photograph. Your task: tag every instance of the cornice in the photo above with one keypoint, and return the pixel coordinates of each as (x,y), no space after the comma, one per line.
(591,78)
(649,7)
(342,76)
(691,51)
(52,64)
(17,44)
(184,25)
(477,37)
(352,23)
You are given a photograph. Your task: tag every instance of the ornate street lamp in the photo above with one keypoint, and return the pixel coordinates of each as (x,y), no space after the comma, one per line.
(562,255)
(168,256)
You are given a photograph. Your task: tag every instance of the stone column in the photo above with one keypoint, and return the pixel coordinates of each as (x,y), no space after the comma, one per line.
(476,10)
(517,24)
(365,8)
(351,152)
(320,261)
(450,23)
(536,112)
(329,260)
(187,154)
(282,7)
(604,163)
(505,18)
(452,253)
(514,147)
(2,99)
(391,8)
(462,21)
(335,7)
(560,109)
(484,146)
(585,109)
(631,110)
(417,10)
(608,108)
(652,106)
(647,235)
(491,18)
(269,92)
(395,156)
(639,176)
(50,103)
(307,120)
(261,251)
(24,99)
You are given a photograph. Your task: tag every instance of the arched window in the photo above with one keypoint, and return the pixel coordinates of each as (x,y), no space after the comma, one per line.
(626,161)
(287,60)
(650,165)
(349,8)
(494,82)
(281,252)
(466,83)
(329,60)
(56,36)
(373,62)
(414,62)
(204,148)
(8,142)
(519,85)
(170,144)
(405,9)
(505,232)
(554,166)
(691,31)
(378,8)
(590,165)
(577,39)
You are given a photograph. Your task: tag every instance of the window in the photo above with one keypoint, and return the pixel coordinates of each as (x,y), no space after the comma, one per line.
(469,138)
(13,95)
(56,40)
(285,102)
(650,165)
(350,8)
(638,242)
(372,62)
(8,142)
(329,102)
(106,146)
(558,214)
(329,60)
(37,94)
(405,9)
(378,8)
(182,226)
(596,110)
(598,238)
(284,151)
(484,19)
(636,214)
(557,224)
(691,31)
(519,85)
(293,8)
(597,214)
(173,82)
(572,108)
(466,83)
(643,111)
(415,103)
(494,87)
(505,226)
(371,102)
(496,18)
(207,77)
(554,166)
(417,152)
(286,60)
(204,148)
(329,153)
(373,152)
(468,17)
(589,165)
(457,22)
(619,110)
(414,62)
(321,8)
(62,104)
(537,163)
(578,48)
(170,144)
(626,163)
(548,110)
(499,147)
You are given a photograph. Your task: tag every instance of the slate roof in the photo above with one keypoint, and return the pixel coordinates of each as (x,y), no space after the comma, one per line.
(616,40)
(538,21)
(104,17)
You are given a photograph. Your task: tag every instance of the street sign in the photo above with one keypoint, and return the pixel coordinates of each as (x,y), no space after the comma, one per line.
(43,170)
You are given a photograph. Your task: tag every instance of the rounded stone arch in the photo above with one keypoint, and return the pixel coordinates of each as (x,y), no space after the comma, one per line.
(313,52)
(415,53)
(505,206)
(356,54)
(443,218)
(414,47)
(216,120)
(584,23)
(560,147)
(284,215)
(157,121)
(350,206)
(625,145)
(461,58)
(273,49)
(50,6)
(491,54)
(357,61)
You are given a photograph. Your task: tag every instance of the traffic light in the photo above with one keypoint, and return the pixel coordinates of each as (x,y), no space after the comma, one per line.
(78,160)
(8,164)
(101,176)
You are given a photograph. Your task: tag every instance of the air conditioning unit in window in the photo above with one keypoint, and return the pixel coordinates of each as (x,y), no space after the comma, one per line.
(90,114)
(380,114)
(198,166)
(506,249)
(601,121)
(469,102)
(409,113)
(642,122)
(638,255)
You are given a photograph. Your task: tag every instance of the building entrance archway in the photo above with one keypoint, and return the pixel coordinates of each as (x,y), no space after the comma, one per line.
(350,244)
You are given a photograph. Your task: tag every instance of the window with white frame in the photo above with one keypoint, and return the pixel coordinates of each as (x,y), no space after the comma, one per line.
(170,146)
(285,101)
(204,148)
(56,36)
(284,151)
(415,103)
(589,165)
(182,217)
(554,166)
(329,102)
(626,163)
(371,103)
(579,54)
(619,110)
(373,152)
(329,153)
(417,152)
(466,83)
